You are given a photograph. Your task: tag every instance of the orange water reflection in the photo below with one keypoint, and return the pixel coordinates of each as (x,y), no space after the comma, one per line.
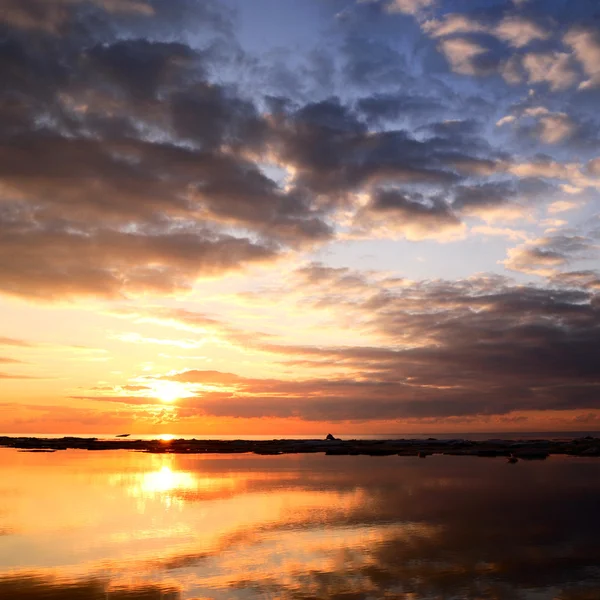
(78,524)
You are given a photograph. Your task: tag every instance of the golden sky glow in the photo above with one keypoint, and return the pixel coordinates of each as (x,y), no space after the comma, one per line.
(260,228)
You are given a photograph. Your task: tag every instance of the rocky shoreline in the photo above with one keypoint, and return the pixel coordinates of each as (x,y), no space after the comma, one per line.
(513,450)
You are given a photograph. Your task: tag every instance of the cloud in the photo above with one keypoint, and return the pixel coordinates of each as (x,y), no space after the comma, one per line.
(334,155)
(561,206)
(129,167)
(452,24)
(549,127)
(473,347)
(466,57)
(515,30)
(519,32)
(554,68)
(127,171)
(53,15)
(503,200)
(556,127)
(411,7)
(546,256)
(413,216)
(511,234)
(381,108)
(586,47)
(143,149)
(593,167)
(58,262)
(578,279)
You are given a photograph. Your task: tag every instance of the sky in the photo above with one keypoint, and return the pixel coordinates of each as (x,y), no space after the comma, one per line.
(282,217)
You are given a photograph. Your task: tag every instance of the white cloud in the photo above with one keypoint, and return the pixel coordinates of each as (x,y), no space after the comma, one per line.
(552,225)
(556,127)
(519,32)
(593,166)
(460,54)
(561,206)
(411,7)
(536,111)
(554,68)
(552,127)
(586,47)
(506,120)
(572,173)
(567,188)
(548,255)
(452,24)
(511,234)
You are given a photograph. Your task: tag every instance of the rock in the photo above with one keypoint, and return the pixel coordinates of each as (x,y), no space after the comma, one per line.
(408,447)
(337,451)
(532,455)
(489,453)
(591,452)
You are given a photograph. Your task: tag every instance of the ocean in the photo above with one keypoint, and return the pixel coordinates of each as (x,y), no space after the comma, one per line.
(118,525)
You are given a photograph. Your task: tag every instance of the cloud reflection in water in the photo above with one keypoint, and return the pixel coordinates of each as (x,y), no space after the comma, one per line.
(300,527)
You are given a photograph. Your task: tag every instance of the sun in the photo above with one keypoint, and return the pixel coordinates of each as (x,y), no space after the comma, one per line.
(169,391)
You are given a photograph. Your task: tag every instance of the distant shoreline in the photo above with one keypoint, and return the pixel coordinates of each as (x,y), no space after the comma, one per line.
(513,450)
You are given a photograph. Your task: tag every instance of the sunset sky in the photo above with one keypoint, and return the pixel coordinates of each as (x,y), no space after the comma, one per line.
(299,216)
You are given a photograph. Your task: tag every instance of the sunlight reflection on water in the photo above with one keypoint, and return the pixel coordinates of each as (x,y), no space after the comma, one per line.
(138,526)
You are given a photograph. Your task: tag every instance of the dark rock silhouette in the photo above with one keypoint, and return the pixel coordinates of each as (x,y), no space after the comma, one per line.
(520,450)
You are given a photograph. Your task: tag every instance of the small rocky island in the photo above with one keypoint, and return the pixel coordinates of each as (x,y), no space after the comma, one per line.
(511,449)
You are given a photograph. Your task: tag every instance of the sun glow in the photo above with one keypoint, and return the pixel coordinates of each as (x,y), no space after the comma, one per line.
(169,391)
(166,480)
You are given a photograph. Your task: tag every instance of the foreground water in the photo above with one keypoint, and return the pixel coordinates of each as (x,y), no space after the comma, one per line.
(133,526)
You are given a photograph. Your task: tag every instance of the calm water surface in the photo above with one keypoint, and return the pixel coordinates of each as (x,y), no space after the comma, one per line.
(130,526)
